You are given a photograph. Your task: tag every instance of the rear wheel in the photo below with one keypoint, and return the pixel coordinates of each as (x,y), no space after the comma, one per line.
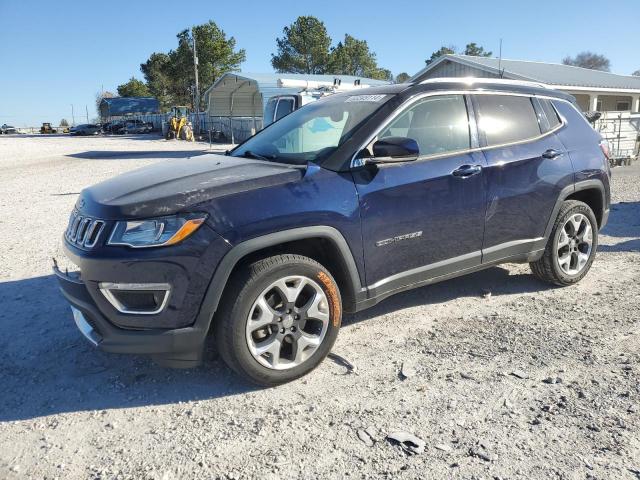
(279,319)
(571,247)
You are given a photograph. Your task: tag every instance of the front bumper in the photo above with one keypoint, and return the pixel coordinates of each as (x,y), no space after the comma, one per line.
(179,347)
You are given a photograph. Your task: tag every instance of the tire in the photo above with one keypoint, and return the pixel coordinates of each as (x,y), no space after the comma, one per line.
(301,343)
(560,265)
(186,133)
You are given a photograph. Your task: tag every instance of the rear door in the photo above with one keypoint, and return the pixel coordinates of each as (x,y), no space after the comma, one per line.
(527,166)
(425,218)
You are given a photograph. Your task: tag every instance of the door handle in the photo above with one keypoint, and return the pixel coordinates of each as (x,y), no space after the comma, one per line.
(465,171)
(551,154)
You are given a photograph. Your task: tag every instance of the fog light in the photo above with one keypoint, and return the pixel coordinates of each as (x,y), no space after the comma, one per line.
(137,298)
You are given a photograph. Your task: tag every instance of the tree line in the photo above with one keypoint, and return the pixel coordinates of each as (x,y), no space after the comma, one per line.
(304,47)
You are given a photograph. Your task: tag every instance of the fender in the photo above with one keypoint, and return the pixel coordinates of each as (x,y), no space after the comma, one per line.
(566,192)
(241,250)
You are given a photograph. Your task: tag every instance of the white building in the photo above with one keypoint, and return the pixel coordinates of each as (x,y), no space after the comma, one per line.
(593,89)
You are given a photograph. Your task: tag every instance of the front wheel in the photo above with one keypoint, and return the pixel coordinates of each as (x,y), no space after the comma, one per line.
(279,319)
(571,247)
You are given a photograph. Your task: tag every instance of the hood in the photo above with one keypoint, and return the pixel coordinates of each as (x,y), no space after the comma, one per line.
(176,185)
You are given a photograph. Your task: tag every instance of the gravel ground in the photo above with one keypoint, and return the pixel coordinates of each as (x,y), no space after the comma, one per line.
(500,375)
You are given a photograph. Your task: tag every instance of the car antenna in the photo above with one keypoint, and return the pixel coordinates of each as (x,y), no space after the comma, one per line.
(500,70)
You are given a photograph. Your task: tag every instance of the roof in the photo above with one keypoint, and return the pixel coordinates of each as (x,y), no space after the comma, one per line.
(131,105)
(549,73)
(271,79)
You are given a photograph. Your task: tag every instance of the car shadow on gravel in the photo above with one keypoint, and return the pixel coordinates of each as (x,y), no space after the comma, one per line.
(627,246)
(624,220)
(47,367)
(495,281)
(134,155)
(134,136)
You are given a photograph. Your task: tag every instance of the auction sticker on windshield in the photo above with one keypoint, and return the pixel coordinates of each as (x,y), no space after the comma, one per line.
(365,98)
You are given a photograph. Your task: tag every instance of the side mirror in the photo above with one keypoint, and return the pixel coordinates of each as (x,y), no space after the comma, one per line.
(394,150)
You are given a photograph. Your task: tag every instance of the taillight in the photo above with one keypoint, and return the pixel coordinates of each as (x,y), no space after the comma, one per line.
(604,146)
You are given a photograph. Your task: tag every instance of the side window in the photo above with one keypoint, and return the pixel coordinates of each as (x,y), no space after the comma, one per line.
(506,118)
(285,107)
(550,112)
(439,124)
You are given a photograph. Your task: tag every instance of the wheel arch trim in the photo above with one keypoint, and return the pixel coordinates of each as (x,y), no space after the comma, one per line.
(567,191)
(241,250)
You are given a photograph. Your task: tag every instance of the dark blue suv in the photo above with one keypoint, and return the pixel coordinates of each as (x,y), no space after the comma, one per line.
(331,209)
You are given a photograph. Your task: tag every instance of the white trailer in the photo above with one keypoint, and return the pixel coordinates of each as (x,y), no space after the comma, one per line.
(622,131)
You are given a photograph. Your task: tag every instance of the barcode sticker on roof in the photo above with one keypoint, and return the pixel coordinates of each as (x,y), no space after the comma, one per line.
(365,98)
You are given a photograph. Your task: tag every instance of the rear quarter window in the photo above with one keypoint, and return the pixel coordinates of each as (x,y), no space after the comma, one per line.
(579,130)
(550,113)
(506,118)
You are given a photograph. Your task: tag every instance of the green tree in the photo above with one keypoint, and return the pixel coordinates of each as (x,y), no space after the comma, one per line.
(474,50)
(156,71)
(170,76)
(402,77)
(304,47)
(440,52)
(353,57)
(134,88)
(636,73)
(64,123)
(589,60)
(217,54)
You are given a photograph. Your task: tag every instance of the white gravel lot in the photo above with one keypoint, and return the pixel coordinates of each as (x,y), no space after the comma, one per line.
(571,411)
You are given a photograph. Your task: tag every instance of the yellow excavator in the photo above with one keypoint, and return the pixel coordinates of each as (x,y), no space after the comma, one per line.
(179,125)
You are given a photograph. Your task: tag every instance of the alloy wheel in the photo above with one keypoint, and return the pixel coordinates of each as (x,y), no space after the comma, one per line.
(287,322)
(575,244)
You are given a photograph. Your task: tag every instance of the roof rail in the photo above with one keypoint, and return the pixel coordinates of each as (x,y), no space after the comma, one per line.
(479,80)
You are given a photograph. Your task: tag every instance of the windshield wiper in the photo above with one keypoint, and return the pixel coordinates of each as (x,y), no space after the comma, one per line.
(257,156)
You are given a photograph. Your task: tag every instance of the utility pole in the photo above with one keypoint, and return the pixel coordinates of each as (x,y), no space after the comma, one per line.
(197,92)
(73,118)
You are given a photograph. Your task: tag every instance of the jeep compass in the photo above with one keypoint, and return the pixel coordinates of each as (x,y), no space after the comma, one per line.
(331,209)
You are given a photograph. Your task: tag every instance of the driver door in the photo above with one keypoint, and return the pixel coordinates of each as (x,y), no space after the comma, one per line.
(425,218)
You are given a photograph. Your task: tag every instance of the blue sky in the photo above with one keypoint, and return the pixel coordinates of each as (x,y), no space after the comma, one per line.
(54,54)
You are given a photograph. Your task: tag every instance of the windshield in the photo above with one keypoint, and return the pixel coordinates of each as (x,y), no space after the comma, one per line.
(314,132)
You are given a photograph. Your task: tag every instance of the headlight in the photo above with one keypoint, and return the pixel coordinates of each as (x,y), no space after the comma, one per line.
(156,232)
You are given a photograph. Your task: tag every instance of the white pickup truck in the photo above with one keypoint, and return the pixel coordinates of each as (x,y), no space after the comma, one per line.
(280,105)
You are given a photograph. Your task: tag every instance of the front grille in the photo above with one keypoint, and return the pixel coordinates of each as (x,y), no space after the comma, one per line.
(83,231)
